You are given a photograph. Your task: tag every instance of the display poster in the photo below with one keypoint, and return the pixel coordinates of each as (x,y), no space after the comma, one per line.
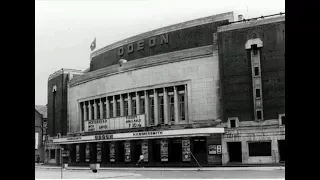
(133,121)
(164,149)
(112,152)
(98,152)
(212,149)
(127,152)
(219,149)
(144,149)
(87,152)
(77,153)
(186,150)
(37,141)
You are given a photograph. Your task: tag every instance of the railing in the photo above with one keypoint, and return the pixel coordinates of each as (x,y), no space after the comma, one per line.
(261,17)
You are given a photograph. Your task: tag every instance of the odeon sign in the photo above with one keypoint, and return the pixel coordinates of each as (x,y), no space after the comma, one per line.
(163,39)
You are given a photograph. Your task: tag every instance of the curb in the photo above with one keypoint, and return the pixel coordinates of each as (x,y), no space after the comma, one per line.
(174,169)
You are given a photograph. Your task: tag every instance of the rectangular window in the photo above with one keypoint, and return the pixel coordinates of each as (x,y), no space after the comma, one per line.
(126,108)
(151,110)
(104,109)
(142,108)
(259,114)
(181,107)
(134,107)
(283,120)
(161,110)
(111,109)
(171,108)
(258,95)
(233,123)
(256,71)
(92,111)
(254,49)
(118,108)
(98,111)
(259,148)
(82,112)
(87,107)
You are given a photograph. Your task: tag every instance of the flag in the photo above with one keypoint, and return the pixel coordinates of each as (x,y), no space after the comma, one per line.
(93,45)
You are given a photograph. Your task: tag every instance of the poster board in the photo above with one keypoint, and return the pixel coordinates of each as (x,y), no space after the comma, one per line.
(112,152)
(98,152)
(127,152)
(186,150)
(164,150)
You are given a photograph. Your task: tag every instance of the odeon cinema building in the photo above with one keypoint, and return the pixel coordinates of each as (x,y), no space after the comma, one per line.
(176,94)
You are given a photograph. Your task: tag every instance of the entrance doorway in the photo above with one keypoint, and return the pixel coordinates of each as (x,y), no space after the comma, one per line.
(234,150)
(156,150)
(175,150)
(200,149)
(281,146)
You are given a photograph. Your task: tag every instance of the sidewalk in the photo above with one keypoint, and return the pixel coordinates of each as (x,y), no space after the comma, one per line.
(170,169)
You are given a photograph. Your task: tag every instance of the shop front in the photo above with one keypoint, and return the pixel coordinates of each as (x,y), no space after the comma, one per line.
(160,148)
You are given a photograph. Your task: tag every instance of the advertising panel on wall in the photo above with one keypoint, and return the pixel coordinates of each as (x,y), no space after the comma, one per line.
(144,148)
(77,153)
(37,139)
(112,152)
(186,150)
(127,151)
(98,152)
(127,122)
(214,149)
(87,152)
(164,149)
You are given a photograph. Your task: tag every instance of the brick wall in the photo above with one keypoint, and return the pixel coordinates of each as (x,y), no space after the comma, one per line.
(60,125)
(235,71)
(187,38)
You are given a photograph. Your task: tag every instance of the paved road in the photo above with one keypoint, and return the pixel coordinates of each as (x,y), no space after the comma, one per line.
(131,174)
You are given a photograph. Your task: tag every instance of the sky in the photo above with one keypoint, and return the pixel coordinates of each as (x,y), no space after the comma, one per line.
(65,29)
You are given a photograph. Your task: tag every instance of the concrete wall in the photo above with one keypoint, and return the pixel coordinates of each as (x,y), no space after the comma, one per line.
(200,73)
(253,134)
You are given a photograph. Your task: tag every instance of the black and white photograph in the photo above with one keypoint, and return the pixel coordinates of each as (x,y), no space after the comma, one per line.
(160,89)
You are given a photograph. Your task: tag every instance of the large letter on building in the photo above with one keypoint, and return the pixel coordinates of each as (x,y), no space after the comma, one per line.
(164,39)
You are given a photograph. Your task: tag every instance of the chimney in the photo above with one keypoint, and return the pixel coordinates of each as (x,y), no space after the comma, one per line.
(240,17)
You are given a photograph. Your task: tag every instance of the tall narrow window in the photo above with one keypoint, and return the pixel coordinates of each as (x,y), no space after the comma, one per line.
(259,114)
(87,107)
(98,110)
(256,71)
(54,112)
(92,110)
(151,110)
(134,107)
(82,111)
(171,108)
(258,95)
(104,108)
(142,104)
(161,110)
(125,108)
(254,49)
(181,108)
(118,108)
(111,109)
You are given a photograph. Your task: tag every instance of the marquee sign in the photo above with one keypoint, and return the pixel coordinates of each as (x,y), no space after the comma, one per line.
(142,135)
(127,122)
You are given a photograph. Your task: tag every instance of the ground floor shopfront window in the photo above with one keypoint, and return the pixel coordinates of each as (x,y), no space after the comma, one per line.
(155,151)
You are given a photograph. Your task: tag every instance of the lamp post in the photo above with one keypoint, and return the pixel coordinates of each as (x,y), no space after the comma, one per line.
(61,161)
